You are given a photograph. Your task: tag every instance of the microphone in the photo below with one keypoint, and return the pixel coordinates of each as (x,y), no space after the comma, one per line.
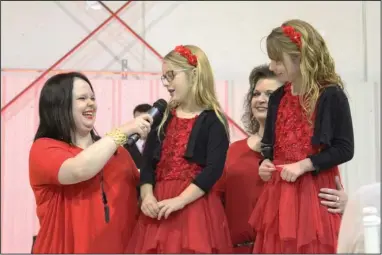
(156,112)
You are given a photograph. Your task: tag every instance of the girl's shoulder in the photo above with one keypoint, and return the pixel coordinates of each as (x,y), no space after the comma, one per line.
(333,92)
(332,89)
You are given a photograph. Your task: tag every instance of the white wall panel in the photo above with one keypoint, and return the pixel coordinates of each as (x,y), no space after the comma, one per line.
(373,47)
(36,34)
(230,32)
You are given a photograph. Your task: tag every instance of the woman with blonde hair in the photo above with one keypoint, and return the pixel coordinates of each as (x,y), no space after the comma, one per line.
(184,157)
(308,133)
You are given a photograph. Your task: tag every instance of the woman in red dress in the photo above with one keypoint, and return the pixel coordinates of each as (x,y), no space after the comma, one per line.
(308,133)
(183,158)
(241,184)
(84,185)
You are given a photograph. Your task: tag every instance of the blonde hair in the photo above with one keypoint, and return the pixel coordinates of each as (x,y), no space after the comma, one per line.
(317,66)
(203,89)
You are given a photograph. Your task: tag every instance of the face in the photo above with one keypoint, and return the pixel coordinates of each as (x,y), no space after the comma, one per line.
(84,106)
(176,82)
(263,89)
(287,70)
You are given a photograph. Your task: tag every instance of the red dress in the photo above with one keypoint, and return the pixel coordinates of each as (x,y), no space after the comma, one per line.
(241,187)
(288,217)
(201,226)
(72,217)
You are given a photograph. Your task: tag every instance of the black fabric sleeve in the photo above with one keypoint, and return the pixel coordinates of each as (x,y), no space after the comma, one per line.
(147,172)
(266,146)
(341,149)
(217,147)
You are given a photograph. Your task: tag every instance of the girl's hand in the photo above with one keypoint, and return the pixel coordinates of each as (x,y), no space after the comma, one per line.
(290,172)
(149,206)
(166,207)
(266,169)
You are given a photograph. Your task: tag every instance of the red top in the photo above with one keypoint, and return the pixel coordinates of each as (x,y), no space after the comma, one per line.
(71,217)
(293,132)
(172,164)
(242,187)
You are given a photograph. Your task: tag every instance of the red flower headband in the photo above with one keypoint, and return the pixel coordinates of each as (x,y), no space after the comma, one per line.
(186,53)
(293,35)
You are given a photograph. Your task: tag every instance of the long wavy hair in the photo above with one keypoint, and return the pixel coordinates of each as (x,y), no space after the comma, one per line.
(203,90)
(316,65)
(250,123)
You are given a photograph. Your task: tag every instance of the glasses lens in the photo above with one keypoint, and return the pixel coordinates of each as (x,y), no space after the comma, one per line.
(164,80)
(170,75)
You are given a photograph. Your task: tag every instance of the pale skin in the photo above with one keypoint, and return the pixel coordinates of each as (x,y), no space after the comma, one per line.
(334,199)
(179,89)
(259,104)
(95,155)
(136,114)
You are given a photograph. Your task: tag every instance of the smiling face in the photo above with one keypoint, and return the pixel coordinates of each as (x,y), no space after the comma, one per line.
(84,106)
(259,104)
(176,82)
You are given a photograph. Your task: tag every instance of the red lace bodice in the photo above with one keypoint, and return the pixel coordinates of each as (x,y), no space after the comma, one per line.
(293,131)
(172,164)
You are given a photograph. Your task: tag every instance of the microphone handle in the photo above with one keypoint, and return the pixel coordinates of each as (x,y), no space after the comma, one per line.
(133,139)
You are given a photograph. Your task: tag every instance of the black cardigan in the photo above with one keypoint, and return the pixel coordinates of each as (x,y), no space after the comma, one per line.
(333,128)
(207,147)
(135,154)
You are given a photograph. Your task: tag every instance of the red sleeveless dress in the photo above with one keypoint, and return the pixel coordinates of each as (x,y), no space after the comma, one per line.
(200,227)
(288,217)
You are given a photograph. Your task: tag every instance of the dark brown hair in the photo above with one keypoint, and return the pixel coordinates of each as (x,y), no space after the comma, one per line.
(251,125)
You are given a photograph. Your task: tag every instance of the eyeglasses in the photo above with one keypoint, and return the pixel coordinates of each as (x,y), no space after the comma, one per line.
(169,76)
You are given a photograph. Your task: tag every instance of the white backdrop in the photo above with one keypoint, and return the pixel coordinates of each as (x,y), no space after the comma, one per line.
(36,34)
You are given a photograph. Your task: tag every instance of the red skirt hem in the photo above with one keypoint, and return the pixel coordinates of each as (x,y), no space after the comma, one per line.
(200,227)
(288,217)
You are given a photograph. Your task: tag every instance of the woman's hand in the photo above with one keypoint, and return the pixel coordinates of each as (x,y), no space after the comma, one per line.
(266,169)
(140,125)
(334,199)
(150,206)
(169,206)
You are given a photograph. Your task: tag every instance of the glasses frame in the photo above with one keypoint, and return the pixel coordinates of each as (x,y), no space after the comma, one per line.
(167,80)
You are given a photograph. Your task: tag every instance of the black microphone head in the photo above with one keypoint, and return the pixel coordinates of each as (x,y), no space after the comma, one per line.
(157,112)
(161,105)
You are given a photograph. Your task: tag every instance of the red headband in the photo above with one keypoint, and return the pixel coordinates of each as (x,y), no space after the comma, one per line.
(187,54)
(293,35)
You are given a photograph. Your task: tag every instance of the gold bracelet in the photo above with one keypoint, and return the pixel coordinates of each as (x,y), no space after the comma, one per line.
(118,136)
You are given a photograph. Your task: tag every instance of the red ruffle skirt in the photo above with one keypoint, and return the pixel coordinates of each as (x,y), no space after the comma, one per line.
(288,217)
(200,227)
